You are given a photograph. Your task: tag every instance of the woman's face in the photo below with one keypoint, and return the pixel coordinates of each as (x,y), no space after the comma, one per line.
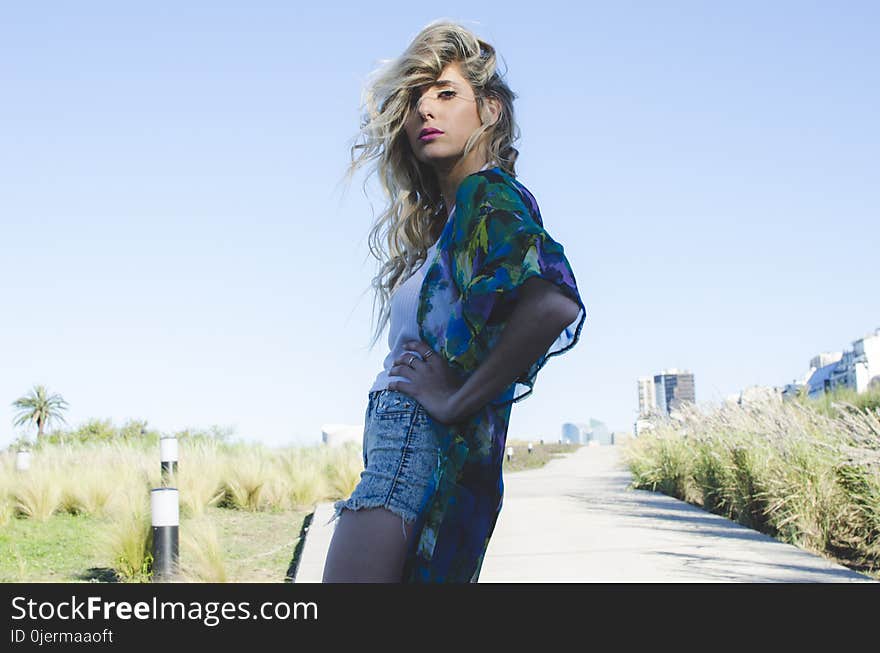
(449,106)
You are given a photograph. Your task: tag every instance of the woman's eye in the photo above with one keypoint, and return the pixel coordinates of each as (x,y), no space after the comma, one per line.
(416,100)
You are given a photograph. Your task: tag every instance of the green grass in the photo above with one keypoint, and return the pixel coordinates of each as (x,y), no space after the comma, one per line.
(259,549)
(59,550)
(255,547)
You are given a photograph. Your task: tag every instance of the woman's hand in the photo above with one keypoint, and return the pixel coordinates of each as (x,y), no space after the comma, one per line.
(541,313)
(432,382)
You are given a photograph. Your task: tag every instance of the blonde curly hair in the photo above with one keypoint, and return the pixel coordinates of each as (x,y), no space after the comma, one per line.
(401,235)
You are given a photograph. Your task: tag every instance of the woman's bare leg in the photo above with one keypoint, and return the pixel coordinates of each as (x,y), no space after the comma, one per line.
(368,546)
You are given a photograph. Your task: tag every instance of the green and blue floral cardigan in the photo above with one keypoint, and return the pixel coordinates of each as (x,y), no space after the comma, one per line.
(493,242)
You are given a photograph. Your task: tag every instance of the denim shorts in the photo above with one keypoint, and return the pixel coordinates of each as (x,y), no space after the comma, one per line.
(402,445)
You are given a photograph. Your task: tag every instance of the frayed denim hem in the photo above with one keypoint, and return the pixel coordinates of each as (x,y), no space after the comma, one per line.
(353,504)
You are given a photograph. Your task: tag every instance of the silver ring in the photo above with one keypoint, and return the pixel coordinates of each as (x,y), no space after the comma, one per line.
(410,363)
(428,354)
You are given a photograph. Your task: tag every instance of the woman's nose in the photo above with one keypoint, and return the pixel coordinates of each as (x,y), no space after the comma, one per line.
(424,108)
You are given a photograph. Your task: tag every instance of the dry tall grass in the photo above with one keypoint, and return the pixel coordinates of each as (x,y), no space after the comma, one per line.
(38,494)
(305,471)
(201,552)
(112,481)
(246,474)
(342,468)
(806,475)
(98,479)
(200,479)
(128,541)
(7,509)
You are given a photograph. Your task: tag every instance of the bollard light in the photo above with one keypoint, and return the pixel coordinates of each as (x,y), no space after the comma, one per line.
(22,461)
(530,447)
(165,508)
(168,455)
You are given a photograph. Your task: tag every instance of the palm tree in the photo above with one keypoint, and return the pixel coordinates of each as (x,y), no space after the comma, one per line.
(39,408)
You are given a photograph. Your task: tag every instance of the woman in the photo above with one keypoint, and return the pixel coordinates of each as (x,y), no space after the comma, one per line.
(478,297)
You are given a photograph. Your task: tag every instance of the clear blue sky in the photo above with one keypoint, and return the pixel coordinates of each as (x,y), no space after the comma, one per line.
(175,245)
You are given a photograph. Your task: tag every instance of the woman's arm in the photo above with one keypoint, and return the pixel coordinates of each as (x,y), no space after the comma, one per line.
(540,314)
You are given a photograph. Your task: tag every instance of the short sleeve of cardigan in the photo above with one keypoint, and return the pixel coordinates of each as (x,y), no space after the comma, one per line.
(508,248)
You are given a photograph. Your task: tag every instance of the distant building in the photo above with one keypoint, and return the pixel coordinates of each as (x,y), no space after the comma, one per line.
(796,387)
(661,395)
(647,397)
(843,374)
(825,358)
(866,361)
(820,381)
(594,432)
(572,433)
(856,369)
(672,388)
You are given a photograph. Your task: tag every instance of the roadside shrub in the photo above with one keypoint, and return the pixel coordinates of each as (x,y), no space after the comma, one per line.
(200,476)
(807,473)
(37,493)
(128,542)
(245,476)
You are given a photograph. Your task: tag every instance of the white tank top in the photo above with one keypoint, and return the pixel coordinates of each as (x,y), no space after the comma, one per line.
(403,320)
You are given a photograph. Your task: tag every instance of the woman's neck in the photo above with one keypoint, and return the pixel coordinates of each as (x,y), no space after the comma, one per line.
(450,180)
(449,192)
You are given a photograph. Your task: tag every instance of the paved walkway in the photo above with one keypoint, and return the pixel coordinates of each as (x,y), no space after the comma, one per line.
(574,520)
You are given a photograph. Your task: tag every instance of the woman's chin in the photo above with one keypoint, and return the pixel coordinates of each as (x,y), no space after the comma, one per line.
(439,159)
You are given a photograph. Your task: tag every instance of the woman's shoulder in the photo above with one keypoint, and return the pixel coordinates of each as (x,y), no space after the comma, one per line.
(494,188)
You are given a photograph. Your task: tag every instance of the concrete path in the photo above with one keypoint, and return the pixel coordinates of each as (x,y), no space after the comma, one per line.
(574,520)
(314,553)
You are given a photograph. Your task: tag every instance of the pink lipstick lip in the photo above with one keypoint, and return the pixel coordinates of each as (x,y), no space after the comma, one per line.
(430,136)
